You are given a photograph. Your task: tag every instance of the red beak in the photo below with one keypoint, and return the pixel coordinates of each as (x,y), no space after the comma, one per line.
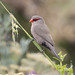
(31,21)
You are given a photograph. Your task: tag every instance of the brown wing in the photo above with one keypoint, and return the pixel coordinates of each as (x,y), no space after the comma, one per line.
(43,31)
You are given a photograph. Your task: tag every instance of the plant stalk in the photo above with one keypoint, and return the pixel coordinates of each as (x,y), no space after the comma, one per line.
(35,43)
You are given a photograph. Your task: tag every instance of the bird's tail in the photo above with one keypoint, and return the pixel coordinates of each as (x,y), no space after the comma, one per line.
(54,52)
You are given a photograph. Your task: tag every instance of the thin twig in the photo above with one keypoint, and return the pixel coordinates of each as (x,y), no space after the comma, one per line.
(35,43)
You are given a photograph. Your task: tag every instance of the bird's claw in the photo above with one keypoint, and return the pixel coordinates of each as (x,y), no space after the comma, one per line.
(42,51)
(32,40)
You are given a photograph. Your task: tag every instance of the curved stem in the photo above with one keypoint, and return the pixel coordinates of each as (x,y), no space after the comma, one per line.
(35,43)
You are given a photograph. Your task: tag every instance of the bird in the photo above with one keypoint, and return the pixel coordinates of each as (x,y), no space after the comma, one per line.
(41,34)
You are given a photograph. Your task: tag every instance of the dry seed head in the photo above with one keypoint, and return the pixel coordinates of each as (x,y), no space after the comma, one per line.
(14,29)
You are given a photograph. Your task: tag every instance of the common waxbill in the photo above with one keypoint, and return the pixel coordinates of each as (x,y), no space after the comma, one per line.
(41,34)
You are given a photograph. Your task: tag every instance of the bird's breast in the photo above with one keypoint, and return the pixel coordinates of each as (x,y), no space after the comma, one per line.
(36,37)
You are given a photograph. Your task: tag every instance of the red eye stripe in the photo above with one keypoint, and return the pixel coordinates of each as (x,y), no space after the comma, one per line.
(33,20)
(36,19)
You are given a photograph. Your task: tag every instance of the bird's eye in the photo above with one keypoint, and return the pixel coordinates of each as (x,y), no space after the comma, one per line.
(36,19)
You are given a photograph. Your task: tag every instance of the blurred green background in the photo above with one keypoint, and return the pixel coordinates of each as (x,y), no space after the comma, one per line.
(59,15)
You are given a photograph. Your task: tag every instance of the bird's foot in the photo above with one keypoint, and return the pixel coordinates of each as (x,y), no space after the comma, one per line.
(32,39)
(42,51)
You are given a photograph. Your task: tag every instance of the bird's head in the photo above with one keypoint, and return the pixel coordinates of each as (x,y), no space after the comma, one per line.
(36,19)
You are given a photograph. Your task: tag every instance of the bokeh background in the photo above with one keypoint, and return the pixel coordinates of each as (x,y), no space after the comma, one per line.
(23,56)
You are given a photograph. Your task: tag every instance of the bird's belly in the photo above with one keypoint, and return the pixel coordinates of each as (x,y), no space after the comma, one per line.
(37,38)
